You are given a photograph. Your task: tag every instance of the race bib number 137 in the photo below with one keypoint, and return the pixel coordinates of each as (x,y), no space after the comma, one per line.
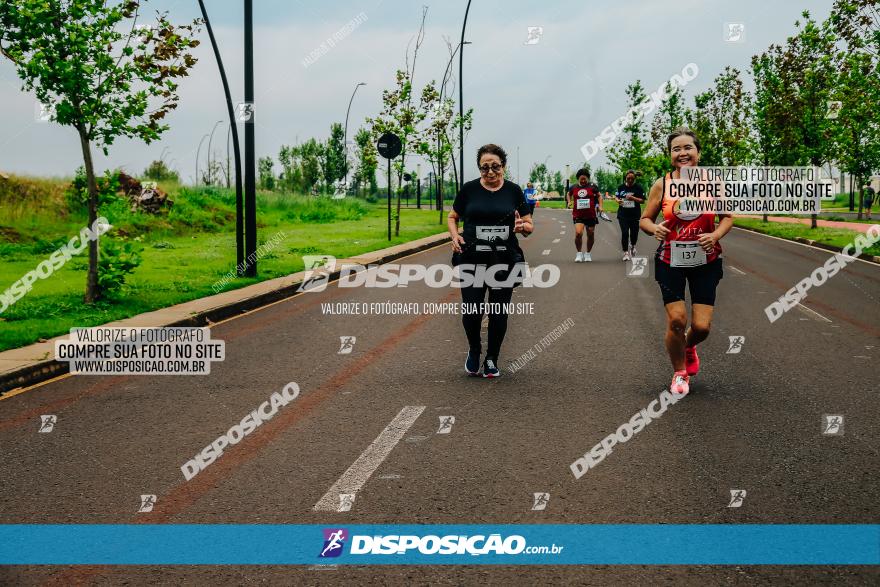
(686,254)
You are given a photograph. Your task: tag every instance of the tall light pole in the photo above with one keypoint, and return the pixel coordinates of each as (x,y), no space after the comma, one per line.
(228,136)
(210,140)
(250,156)
(461,99)
(517,165)
(199,154)
(233,130)
(345,133)
(419,186)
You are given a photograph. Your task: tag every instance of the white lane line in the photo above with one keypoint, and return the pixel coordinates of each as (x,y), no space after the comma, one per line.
(739,271)
(366,464)
(545,252)
(811,312)
(556,240)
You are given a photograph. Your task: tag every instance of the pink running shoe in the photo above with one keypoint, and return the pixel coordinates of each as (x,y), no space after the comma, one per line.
(680,383)
(691,360)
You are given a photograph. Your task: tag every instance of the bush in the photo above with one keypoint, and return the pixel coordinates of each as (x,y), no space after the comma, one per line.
(116,261)
(77,193)
(325,210)
(158,171)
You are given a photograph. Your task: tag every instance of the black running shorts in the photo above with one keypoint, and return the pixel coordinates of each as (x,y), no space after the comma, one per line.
(701,281)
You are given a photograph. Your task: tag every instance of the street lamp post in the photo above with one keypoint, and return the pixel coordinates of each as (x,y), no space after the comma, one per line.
(210,140)
(345,133)
(419,186)
(250,162)
(198,154)
(233,130)
(461,99)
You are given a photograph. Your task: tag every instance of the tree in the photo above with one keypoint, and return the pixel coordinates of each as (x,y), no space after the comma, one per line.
(671,114)
(724,113)
(631,149)
(399,115)
(312,153)
(368,159)
(334,155)
(539,176)
(557,183)
(89,64)
(267,176)
(291,177)
(856,131)
(159,171)
(807,69)
(609,180)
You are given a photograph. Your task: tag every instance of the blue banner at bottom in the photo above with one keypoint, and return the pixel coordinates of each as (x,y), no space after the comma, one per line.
(537,544)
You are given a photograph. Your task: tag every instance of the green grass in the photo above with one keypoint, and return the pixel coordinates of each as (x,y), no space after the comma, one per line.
(184,252)
(829,236)
(607,205)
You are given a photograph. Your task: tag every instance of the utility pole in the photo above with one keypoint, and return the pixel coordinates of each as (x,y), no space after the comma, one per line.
(250,159)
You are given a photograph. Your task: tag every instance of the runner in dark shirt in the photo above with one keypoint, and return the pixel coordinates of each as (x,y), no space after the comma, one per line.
(493,211)
(630,197)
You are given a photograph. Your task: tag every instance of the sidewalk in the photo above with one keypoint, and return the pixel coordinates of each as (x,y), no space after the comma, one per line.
(857,226)
(35,363)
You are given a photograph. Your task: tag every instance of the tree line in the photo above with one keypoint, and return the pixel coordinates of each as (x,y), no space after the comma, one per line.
(814,100)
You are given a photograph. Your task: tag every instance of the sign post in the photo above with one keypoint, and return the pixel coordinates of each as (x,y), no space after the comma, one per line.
(389,146)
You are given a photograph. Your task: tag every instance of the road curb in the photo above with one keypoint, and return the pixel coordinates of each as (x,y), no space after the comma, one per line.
(812,243)
(48,369)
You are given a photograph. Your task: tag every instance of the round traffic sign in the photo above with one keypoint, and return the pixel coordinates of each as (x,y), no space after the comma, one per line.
(389,145)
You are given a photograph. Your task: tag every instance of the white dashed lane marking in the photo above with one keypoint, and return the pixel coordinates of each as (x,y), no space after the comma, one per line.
(812,313)
(360,471)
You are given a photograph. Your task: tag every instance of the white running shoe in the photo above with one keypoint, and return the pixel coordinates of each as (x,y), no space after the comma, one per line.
(632,251)
(626,256)
(579,258)
(587,257)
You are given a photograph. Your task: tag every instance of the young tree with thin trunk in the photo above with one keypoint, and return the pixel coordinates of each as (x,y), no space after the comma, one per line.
(89,63)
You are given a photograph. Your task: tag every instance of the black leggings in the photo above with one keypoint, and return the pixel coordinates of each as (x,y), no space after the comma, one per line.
(497,320)
(631,226)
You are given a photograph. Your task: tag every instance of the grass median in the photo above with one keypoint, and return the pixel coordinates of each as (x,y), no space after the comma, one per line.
(184,252)
(837,237)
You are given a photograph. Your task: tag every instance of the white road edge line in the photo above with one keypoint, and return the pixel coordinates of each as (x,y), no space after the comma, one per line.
(740,271)
(360,471)
(808,311)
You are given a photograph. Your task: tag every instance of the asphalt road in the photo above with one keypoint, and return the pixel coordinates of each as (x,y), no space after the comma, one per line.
(752,421)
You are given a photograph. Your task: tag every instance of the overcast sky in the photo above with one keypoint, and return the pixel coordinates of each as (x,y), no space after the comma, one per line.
(545,99)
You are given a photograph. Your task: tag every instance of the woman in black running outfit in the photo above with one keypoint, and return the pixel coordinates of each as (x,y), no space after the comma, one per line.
(630,196)
(493,210)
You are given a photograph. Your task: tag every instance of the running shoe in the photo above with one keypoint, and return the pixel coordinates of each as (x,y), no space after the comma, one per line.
(691,360)
(626,256)
(472,364)
(632,251)
(489,369)
(579,258)
(680,383)
(587,258)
